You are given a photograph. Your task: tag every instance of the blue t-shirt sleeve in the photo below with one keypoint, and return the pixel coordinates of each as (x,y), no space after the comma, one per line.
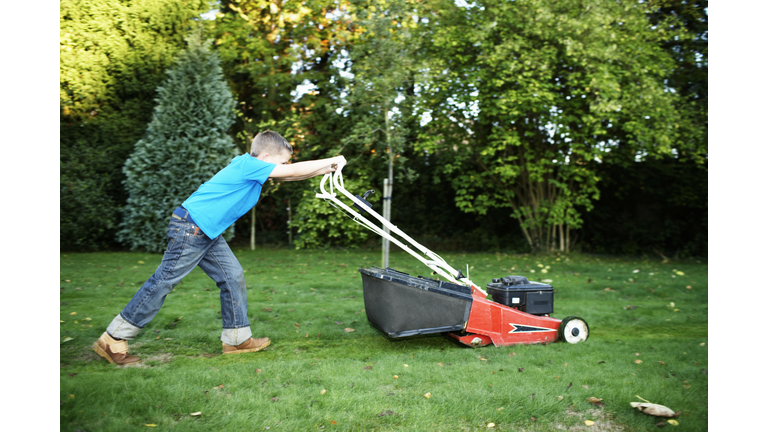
(257,170)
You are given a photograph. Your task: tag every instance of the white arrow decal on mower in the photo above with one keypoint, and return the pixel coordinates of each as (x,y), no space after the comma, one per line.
(517,328)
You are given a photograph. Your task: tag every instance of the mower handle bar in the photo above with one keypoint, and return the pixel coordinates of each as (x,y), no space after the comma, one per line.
(432,260)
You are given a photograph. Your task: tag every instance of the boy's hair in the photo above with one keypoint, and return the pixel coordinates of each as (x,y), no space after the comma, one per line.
(270,142)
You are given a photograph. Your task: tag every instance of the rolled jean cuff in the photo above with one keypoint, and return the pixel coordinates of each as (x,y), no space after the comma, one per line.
(236,336)
(121,329)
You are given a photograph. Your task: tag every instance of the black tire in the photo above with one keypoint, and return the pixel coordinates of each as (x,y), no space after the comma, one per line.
(573,330)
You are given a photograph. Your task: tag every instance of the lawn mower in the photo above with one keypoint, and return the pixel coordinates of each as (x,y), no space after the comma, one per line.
(400,305)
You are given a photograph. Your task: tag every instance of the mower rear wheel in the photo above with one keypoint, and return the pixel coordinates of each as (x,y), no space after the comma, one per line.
(573,330)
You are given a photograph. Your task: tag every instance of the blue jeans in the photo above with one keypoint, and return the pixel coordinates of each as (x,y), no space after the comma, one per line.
(185,251)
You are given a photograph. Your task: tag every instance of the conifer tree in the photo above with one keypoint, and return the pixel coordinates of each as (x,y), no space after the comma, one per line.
(186,143)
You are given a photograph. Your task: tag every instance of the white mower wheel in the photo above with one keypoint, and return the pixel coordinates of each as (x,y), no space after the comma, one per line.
(573,330)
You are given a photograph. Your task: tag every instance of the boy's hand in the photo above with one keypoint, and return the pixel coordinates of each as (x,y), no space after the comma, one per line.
(339,163)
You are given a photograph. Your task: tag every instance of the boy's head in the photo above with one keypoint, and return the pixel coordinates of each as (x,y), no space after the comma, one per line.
(270,145)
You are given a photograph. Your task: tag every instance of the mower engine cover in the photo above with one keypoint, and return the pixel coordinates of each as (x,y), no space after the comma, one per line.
(535,298)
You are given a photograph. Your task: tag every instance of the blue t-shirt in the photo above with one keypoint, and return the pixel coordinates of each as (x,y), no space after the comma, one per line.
(229,194)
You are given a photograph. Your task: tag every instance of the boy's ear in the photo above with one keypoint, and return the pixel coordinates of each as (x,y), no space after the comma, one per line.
(262,156)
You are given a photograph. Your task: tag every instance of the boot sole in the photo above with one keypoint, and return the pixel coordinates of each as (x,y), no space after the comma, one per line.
(104,354)
(250,349)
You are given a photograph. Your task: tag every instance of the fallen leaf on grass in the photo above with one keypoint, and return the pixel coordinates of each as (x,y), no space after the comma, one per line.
(585,386)
(660,424)
(440,364)
(73,313)
(386,413)
(483,358)
(428,395)
(150,425)
(395,377)
(601,362)
(673,422)
(258,371)
(338,322)
(661,362)
(589,422)
(368,367)
(630,307)
(73,374)
(595,401)
(490,425)
(349,330)
(67,339)
(219,387)
(275,399)
(196,414)
(559,398)
(520,369)
(322,392)
(333,422)
(653,409)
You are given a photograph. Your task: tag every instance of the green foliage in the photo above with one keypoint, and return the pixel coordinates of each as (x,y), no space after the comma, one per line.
(380,95)
(267,50)
(524,97)
(185,145)
(526,94)
(685,28)
(113,55)
(319,224)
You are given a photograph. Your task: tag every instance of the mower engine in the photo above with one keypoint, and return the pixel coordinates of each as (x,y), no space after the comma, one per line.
(517,292)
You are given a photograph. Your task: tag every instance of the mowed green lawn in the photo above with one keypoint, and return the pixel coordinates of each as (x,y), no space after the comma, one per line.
(648,324)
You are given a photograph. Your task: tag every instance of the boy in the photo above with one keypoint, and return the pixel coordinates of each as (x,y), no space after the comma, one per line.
(195,239)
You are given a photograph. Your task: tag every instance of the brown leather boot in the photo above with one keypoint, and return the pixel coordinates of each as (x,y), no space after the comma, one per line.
(115,351)
(251,345)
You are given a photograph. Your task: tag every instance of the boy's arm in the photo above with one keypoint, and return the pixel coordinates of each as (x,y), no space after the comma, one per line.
(307,169)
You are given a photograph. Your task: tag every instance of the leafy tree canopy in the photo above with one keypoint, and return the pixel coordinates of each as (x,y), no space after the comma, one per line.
(527,94)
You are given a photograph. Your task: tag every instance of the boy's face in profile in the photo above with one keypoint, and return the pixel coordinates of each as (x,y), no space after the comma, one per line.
(278,159)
